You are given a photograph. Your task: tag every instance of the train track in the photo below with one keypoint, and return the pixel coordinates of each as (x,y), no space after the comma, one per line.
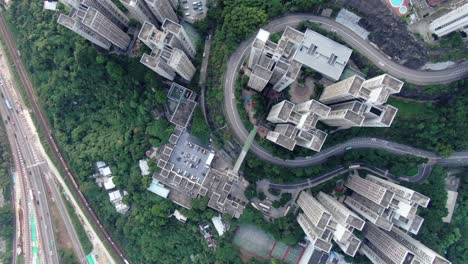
(44,126)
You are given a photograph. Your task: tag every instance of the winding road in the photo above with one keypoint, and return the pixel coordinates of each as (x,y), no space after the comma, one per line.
(423,172)
(380,59)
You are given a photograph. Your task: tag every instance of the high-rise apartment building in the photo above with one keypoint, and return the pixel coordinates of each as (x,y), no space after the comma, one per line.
(84,31)
(163,9)
(370,190)
(158,64)
(181,64)
(385,204)
(177,37)
(284,135)
(271,62)
(450,22)
(325,218)
(280,63)
(424,255)
(109,10)
(407,194)
(380,247)
(167,57)
(372,212)
(296,124)
(356,102)
(94,26)
(346,222)
(345,90)
(315,221)
(140,11)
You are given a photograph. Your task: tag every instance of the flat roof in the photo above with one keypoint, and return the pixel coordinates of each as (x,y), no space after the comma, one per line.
(189,158)
(323,55)
(186,104)
(171,26)
(218,224)
(157,188)
(263,35)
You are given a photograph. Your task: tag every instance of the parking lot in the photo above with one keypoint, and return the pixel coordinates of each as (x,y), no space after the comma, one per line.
(194,10)
(189,159)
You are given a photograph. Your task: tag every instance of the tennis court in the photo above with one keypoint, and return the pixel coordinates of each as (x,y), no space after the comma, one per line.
(254,242)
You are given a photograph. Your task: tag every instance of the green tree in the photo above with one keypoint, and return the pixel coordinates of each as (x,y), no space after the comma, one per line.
(242,21)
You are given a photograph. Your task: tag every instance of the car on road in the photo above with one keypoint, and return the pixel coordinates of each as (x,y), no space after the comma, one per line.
(187,14)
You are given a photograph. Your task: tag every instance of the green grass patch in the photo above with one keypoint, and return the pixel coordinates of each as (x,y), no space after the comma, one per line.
(410,109)
(200,128)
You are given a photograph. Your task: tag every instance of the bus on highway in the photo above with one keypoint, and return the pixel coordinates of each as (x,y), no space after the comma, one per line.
(8,104)
(348,148)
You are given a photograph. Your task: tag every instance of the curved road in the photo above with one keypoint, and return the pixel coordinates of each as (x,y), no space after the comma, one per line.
(380,59)
(423,172)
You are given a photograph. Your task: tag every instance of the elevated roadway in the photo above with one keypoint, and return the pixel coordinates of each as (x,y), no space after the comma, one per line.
(380,59)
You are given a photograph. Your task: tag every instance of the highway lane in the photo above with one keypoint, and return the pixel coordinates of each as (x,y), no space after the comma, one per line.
(373,54)
(81,202)
(33,172)
(42,185)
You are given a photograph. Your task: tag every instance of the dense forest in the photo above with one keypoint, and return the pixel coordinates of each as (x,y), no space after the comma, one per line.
(99,105)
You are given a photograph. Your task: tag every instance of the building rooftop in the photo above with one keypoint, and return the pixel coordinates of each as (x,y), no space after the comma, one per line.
(144,168)
(262,72)
(185,104)
(286,109)
(263,35)
(190,159)
(323,55)
(388,115)
(282,140)
(159,189)
(226,194)
(149,61)
(109,183)
(171,26)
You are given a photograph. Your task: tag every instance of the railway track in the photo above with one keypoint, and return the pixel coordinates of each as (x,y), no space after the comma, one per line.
(45,128)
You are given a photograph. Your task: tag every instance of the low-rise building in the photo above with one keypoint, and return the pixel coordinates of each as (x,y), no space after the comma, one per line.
(116,198)
(450,22)
(323,55)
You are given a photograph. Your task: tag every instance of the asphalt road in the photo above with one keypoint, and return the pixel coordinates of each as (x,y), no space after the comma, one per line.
(29,161)
(423,172)
(364,47)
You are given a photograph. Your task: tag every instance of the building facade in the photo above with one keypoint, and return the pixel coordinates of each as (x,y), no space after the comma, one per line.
(140,11)
(167,57)
(93,25)
(356,102)
(382,248)
(296,124)
(163,9)
(109,10)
